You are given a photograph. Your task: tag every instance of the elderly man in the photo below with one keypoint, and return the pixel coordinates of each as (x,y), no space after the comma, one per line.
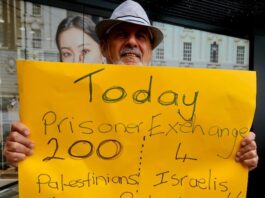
(126,38)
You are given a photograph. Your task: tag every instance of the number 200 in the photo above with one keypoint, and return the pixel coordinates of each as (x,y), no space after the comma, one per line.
(117,152)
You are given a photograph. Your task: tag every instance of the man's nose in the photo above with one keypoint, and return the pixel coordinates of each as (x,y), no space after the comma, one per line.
(132,40)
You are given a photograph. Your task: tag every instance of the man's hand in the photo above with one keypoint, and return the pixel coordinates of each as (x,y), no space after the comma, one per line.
(247,153)
(18,146)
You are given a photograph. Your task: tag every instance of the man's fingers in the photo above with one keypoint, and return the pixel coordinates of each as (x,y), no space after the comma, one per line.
(20,128)
(16,137)
(14,158)
(18,145)
(248,155)
(15,147)
(248,139)
(249,147)
(251,163)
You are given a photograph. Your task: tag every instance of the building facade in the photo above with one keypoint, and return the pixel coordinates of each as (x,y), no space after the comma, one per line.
(184,47)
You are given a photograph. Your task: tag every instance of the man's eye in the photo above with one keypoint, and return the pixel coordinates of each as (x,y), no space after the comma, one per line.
(142,36)
(121,34)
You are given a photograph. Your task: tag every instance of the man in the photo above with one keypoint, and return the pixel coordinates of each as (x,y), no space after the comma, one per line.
(126,38)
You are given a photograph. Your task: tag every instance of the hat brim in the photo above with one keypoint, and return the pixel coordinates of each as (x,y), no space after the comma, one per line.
(106,25)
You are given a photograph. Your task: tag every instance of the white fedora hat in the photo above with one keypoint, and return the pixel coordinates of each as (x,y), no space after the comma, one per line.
(129,12)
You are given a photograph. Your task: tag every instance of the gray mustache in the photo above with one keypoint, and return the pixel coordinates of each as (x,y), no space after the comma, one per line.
(134,50)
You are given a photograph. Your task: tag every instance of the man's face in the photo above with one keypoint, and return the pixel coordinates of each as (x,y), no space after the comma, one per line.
(128,44)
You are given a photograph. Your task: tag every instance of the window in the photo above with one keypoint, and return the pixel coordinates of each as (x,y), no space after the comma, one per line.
(187,51)
(1,24)
(240,54)
(1,11)
(160,53)
(36,10)
(36,42)
(214,53)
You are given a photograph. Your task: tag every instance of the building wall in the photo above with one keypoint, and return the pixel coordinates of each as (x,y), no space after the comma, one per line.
(175,36)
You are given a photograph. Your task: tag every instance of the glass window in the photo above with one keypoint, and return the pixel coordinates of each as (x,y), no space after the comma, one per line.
(2,21)
(36,42)
(29,34)
(187,51)
(214,52)
(240,55)
(1,11)
(160,54)
(36,10)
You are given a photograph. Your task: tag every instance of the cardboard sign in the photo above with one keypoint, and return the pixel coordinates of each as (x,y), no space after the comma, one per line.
(110,131)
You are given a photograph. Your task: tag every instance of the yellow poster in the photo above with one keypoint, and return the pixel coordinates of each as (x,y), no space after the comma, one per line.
(110,131)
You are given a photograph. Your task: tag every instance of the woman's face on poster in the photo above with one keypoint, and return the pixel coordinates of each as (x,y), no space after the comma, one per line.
(77,46)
